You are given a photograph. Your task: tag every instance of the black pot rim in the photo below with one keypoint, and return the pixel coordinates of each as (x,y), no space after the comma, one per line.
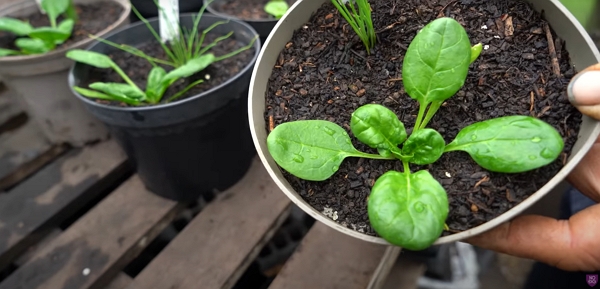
(210,9)
(256,46)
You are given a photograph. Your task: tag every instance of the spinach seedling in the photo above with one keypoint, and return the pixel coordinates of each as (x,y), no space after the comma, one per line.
(410,209)
(158,79)
(187,56)
(41,39)
(277,8)
(360,19)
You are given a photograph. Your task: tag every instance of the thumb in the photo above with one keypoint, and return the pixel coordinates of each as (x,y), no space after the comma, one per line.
(584,91)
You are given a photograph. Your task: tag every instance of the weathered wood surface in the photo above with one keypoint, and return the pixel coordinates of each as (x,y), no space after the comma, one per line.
(98,246)
(18,147)
(405,274)
(119,282)
(30,210)
(328,259)
(218,245)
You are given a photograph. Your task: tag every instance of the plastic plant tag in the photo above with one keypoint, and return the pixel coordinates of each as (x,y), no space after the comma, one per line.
(39,4)
(168,19)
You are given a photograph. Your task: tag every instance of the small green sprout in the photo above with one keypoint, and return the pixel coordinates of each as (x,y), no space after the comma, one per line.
(42,39)
(410,209)
(277,8)
(360,20)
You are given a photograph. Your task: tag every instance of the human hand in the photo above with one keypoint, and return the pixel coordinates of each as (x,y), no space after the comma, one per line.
(574,244)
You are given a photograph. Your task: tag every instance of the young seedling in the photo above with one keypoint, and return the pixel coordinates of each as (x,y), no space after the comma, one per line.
(277,8)
(360,19)
(42,39)
(187,55)
(409,209)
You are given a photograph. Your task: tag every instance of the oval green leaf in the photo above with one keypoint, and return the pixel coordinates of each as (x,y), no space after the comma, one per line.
(120,90)
(277,8)
(190,68)
(15,26)
(91,58)
(378,127)
(54,8)
(33,45)
(50,35)
(510,144)
(8,52)
(437,61)
(425,145)
(408,210)
(311,149)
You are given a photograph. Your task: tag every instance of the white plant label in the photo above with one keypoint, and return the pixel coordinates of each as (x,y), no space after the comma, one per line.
(168,19)
(39,4)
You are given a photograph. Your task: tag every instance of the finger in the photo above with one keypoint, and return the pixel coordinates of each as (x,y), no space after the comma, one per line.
(586,174)
(567,244)
(584,91)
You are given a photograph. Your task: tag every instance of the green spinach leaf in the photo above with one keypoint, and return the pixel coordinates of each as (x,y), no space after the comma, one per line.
(437,61)
(510,144)
(155,87)
(277,8)
(312,149)
(53,35)
(8,52)
(121,90)
(189,68)
(15,26)
(378,127)
(476,51)
(91,58)
(408,210)
(425,145)
(54,8)
(100,95)
(33,45)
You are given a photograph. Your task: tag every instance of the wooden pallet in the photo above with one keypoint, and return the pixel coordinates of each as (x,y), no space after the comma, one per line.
(79,218)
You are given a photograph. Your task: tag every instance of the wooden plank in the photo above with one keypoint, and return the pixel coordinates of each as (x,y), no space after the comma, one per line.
(120,282)
(100,244)
(405,274)
(328,259)
(30,210)
(220,243)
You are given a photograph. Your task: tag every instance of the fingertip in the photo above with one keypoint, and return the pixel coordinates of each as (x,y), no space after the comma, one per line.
(584,88)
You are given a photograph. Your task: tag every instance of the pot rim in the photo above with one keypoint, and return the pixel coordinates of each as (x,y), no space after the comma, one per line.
(210,9)
(272,167)
(63,50)
(256,46)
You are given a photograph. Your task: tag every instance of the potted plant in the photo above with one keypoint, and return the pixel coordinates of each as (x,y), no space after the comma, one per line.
(178,108)
(34,66)
(262,15)
(332,63)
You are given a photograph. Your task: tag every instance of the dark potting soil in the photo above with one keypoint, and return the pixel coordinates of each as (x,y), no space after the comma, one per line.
(138,68)
(324,73)
(93,18)
(247,9)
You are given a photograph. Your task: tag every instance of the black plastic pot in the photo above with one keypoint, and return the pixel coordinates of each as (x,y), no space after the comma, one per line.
(262,26)
(148,8)
(190,147)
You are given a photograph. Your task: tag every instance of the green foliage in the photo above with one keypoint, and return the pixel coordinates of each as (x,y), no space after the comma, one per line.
(277,8)
(359,18)
(42,39)
(158,79)
(409,209)
(187,56)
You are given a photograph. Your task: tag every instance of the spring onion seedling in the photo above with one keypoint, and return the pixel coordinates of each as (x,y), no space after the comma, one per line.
(41,39)
(277,8)
(409,209)
(187,56)
(360,19)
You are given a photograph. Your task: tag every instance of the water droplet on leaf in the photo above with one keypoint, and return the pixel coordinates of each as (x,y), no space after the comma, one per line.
(298,158)
(536,139)
(473,137)
(329,131)
(419,207)
(547,154)
(532,157)
(314,157)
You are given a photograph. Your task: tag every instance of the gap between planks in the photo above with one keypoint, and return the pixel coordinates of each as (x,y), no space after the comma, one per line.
(94,250)
(55,193)
(215,249)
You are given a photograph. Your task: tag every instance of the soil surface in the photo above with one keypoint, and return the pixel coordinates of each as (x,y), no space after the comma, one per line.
(325,73)
(93,18)
(247,9)
(138,68)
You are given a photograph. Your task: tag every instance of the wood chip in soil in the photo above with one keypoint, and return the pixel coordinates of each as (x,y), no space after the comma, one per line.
(93,18)
(138,68)
(247,9)
(324,73)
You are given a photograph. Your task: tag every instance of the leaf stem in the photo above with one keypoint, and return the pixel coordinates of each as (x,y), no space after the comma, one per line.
(422,108)
(406,167)
(373,156)
(430,113)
